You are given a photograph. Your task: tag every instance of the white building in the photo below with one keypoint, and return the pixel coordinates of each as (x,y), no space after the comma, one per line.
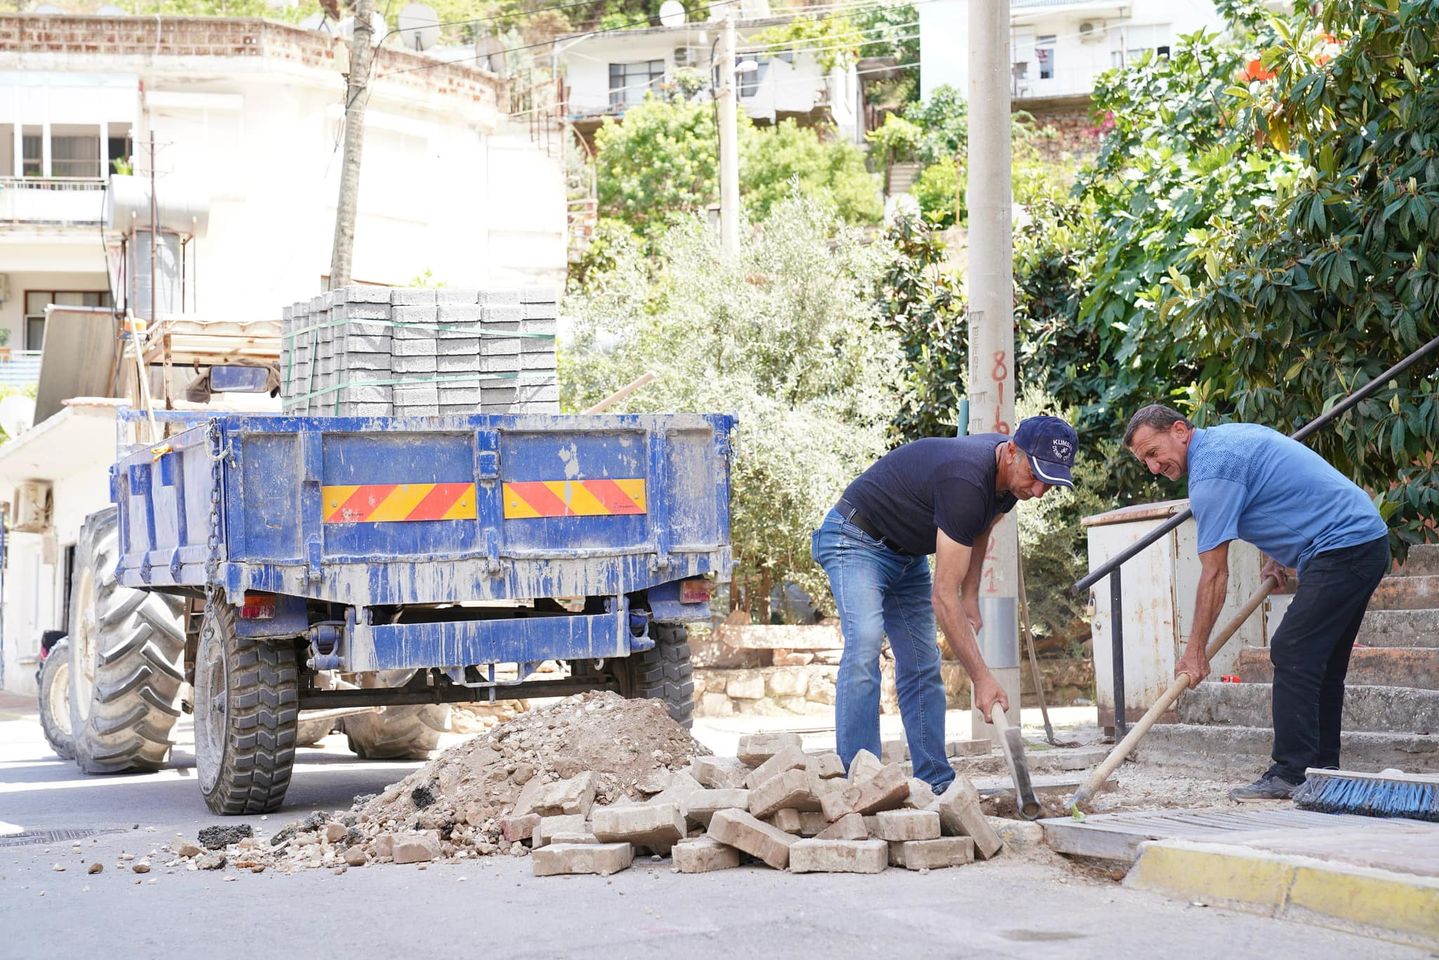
(607,73)
(1057,47)
(246,120)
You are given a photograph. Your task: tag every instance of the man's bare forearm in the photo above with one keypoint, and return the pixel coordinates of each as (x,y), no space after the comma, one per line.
(959,636)
(1208,601)
(970,585)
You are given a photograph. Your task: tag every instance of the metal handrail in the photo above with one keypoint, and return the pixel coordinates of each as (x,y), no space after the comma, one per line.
(1111,567)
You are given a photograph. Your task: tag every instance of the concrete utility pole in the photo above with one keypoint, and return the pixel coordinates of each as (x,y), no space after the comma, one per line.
(356,95)
(728,141)
(991,323)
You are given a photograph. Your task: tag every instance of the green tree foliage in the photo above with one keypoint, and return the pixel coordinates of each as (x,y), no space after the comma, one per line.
(833,41)
(784,335)
(939,190)
(776,161)
(944,118)
(662,163)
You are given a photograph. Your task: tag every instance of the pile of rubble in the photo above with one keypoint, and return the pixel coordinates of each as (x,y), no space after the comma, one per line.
(584,784)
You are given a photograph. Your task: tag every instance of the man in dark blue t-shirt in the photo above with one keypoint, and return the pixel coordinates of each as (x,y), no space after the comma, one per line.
(939,496)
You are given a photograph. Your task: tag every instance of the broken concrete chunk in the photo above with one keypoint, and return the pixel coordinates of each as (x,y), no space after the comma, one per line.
(416,846)
(515,829)
(960,815)
(575,795)
(744,832)
(790,758)
(557,859)
(218,838)
(720,773)
(839,856)
(901,825)
(702,855)
(657,826)
(863,766)
(656,782)
(756,748)
(699,806)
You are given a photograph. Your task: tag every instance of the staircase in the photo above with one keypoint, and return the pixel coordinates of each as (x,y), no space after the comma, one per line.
(1391,704)
(901,177)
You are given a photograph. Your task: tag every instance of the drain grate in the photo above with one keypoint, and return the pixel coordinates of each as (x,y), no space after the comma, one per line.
(1117,836)
(28,837)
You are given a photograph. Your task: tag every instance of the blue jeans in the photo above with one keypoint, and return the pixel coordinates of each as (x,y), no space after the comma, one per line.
(879,592)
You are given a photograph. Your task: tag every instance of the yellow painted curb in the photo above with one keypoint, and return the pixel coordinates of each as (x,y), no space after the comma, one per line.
(1297,888)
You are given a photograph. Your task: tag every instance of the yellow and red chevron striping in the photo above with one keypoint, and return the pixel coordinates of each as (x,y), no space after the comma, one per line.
(398,502)
(573,498)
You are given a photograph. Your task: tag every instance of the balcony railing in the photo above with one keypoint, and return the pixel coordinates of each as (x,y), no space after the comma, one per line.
(56,201)
(19,368)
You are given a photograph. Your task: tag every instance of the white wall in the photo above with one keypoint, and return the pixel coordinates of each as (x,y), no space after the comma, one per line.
(944,45)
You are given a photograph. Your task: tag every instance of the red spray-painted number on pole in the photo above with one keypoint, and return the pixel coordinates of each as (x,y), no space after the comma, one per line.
(1000,374)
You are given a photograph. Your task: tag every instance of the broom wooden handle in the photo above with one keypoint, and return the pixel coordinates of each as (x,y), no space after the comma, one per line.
(1181,682)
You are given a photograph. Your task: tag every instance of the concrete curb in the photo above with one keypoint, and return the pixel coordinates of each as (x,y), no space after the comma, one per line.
(1393,905)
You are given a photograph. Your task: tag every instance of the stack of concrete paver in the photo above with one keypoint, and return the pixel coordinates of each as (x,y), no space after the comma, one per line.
(773,803)
(380,351)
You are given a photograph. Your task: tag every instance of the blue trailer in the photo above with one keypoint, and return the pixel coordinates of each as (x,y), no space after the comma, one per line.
(459,553)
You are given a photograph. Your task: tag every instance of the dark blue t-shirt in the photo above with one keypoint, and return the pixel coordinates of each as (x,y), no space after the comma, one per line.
(939,483)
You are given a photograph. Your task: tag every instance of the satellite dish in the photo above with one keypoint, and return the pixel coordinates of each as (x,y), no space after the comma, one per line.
(321,23)
(490,54)
(110,10)
(47,8)
(419,27)
(672,13)
(378,28)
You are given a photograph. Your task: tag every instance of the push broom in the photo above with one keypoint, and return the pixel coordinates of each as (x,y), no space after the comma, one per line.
(1125,747)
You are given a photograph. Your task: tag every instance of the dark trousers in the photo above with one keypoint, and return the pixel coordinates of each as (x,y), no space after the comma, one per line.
(1310,653)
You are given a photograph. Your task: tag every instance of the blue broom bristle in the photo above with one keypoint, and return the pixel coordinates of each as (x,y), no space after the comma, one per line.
(1369,798)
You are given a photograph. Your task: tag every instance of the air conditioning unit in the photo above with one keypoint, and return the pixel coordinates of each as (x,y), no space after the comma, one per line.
(686,56)
(1091,31)
(31,508)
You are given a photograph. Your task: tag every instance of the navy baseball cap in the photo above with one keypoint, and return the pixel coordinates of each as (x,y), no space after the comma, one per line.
(1049,443)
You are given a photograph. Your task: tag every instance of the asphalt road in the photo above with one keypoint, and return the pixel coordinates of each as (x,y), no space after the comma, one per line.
(1011,907)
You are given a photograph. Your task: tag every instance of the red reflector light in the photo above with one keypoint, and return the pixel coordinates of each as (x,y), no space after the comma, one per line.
(258,606)
(695,591)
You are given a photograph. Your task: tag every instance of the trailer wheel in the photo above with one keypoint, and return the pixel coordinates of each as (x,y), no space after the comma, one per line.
(126,654)
(54,697)
(402,732)
(662,673)
(247,696)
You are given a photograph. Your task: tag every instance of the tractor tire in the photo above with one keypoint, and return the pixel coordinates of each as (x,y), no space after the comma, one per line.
(54,697)
(310,732)
(662,673)
(247,702)
(126,660)
(406,732)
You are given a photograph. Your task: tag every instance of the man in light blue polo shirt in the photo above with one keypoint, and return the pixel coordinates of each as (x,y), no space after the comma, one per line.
(1247,482)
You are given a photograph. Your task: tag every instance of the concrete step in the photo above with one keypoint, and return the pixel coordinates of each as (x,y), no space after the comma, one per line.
(1244,751)
(1370,666)
(1366,709)
(1423,561)
(1399,628)
(1406,593)
(902,177)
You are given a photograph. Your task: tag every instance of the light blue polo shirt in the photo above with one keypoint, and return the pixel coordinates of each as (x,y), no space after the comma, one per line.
(1248,482)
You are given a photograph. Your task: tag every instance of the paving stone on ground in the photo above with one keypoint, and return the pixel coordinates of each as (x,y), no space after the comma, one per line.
(789,758)
(565,823)
(932,854)
(886,790)
(699,806)
(720,773)
(787,820)
(603,859)
(960,815)
(755,748)
(703,855)
(839,856)
(901,825)
(793,788)
(826,766)
(863,766)
(657,826)
(850,827)
(744,832)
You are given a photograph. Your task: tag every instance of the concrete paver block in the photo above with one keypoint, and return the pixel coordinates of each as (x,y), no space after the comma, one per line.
(826,766)
(839,856)
(921,794)
(702,855)
(416,847)
(575,795)
(744,832)
(681,785)
(756,748)
(812,824)
(720,773)
(967,748)
(850,827)
(701,805)
(577,836)
(886,790)
(788,758)
(901,825)
(657,826)
(519,828)
(960,815)
(793,788)
(786,820)
(932,854)
(863,766)
(604,859)
(894,751)
(548,827)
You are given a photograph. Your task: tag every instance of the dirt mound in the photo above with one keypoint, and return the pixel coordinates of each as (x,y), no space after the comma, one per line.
(599,744)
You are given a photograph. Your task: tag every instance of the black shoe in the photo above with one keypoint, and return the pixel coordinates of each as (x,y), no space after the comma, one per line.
(1267,787)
